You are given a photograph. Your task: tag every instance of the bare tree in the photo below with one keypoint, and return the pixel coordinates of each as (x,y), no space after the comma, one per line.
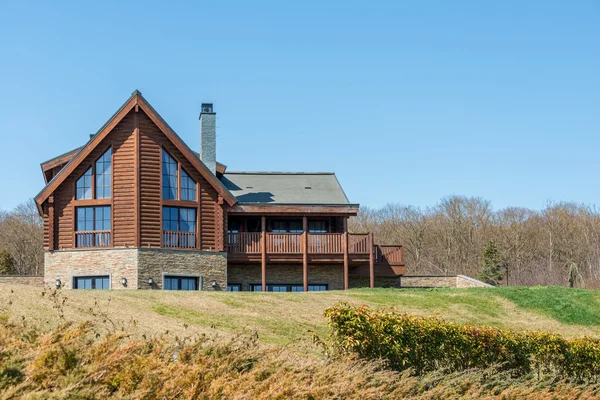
(21,233)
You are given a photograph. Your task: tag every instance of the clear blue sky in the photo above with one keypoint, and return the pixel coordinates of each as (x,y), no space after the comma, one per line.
(406,101)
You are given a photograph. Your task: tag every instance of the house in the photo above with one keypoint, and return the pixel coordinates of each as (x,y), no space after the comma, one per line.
(136,208)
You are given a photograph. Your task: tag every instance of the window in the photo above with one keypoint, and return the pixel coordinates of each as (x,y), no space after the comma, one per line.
(317,226)
(179,219)
(188,187)
(179,227)
(92,226)
(91,282)
(104,175)
(234,287)
(84,186)
(288,288)
(287,226)
(180,283)
(169,177)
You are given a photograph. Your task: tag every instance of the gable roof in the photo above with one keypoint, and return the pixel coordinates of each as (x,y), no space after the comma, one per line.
(293,188)
(136,99)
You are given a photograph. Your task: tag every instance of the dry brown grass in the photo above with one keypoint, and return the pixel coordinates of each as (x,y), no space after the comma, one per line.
(221,346)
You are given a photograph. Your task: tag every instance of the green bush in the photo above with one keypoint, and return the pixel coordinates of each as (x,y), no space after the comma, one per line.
(426,344)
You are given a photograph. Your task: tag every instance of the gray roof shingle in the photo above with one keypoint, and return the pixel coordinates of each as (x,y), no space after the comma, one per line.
(299,188)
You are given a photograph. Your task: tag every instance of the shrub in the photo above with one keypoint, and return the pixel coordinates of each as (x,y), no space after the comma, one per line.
(426,344)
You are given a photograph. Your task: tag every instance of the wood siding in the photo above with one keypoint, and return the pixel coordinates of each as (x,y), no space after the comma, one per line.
(151,143)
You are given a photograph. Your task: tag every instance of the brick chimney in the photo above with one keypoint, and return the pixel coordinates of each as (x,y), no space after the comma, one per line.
(208,137)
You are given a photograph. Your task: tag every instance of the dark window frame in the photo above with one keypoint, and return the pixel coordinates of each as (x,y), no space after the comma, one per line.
(180,282)
(180,175)
(289,286)
(93,181)
(76,280)
(237,285)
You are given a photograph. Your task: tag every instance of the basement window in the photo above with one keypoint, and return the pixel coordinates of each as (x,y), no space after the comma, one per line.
(91,282)
(180,283)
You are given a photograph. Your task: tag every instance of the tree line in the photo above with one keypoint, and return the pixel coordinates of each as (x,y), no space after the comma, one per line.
(558,245)
(21,241)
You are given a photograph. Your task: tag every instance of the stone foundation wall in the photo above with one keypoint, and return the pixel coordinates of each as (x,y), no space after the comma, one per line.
(136,265)
(31,280)
(155,263)
(459,281)
(380,281)
(463,281)
(67,264)
(332,275)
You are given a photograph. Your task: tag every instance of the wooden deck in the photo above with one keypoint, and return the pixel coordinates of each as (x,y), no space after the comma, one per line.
(319,248)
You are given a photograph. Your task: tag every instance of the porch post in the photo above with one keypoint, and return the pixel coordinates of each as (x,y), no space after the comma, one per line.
(371,262)
(305,253)
(345,243)
(263,237)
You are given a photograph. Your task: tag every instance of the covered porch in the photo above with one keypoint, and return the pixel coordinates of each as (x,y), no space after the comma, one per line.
(314,240)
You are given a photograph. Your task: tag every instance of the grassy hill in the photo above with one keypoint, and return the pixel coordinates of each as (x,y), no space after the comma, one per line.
(255,345)
(285,318)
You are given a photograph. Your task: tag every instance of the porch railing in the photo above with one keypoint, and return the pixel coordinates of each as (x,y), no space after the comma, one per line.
(179,240)
(389,254)
(284,243)
(318,243)
(325,243)
(244,242)
(358,243)
(92,238)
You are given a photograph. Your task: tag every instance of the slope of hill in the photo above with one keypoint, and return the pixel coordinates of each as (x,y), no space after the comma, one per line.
(143,344)
(285,318)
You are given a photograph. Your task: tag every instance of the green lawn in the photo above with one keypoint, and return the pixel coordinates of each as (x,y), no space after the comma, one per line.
(287,318)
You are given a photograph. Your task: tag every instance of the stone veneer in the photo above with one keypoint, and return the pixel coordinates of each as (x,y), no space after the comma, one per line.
(207,265)
(332,275)
(136,265)
(455,281)
(247,274)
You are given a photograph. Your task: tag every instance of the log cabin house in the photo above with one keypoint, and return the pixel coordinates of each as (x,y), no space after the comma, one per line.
(136,208)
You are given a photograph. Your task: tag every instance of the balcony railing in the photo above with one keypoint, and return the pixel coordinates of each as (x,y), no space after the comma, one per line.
(318,243)
(284,243)
(92,239)
(389,254)
(179,240)
(244,242)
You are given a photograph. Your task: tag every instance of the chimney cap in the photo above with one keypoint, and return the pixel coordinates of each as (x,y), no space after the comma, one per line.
(207,108)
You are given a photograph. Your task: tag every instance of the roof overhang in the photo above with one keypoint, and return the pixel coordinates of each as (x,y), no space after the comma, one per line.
(294,209)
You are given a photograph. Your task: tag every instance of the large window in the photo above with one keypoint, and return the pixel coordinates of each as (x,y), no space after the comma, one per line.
(104,175)
(317,226)
(179,227)
(92,226)
(169,177)
(84,186)
(179,219)
(292,226)
(96,182)
(91,282)
(180,283)
(188,187)
(288,288)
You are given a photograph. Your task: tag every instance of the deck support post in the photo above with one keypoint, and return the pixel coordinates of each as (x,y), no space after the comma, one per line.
(305,253)
(263,241)
(345,244)
(371,262)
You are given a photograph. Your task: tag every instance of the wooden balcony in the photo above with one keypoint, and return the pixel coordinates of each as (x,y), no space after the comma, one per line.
(246,247)
(92,239)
